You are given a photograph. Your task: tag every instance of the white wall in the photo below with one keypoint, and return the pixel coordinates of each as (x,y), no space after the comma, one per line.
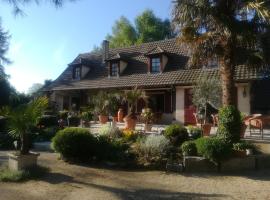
(243,101)
(180,100)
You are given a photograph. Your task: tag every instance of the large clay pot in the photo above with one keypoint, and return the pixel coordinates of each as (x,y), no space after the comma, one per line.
(243,130)
(120,115)
(103,119)
(130,123)
(206,128)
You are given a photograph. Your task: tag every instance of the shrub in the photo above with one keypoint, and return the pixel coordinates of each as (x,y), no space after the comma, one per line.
(243,145)
(3,124)
(111,149)
(73,120)
(152,149)
(6,141)
(177,134)
(214,149)
(230,123)
(75,144)
(48,120)
(63,114)
(110,131)
(130,135)
(45,134)
(87,116)
(189,148)
(194,132)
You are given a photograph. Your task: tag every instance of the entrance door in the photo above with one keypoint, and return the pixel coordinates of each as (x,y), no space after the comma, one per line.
(260,97)
(189,108)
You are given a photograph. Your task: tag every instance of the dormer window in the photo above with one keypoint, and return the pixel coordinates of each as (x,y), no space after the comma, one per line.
(115,69)
(157,60)
(77,73)
(155,65)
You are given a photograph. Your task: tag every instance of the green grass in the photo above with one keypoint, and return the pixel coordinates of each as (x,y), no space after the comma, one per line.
(7,175)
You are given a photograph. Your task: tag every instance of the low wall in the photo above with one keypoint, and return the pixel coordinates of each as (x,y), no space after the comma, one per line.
(262,145)
(200,164)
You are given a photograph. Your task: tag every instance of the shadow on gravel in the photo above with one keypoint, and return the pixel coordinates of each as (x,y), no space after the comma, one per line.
(131,193)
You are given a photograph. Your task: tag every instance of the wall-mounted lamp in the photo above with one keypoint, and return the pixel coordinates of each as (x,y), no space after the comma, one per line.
(245,92)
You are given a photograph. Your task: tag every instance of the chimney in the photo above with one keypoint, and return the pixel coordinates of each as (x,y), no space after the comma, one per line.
(105,50)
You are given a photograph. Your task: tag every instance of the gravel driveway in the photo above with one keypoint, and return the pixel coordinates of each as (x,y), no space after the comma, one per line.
(73,182)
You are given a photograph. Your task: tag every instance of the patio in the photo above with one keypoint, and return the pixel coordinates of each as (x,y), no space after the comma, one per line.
(158,128)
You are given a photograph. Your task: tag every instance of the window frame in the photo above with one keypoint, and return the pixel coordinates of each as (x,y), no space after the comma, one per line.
(159,67)
(77,73)
(115,72)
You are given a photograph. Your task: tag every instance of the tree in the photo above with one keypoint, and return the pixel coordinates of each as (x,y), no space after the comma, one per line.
(34,88)
(207,91)
(23,118)
(148,28)
(151,28)
(123,33)
(233,32)
(18,4)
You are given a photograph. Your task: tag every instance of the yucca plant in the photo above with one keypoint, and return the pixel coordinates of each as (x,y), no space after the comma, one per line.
(23,118)
(131,97)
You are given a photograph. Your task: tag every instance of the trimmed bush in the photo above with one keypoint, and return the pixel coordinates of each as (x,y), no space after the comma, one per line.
(194,132)
(189,148)
(177,134)
(229,126)
(213,148)
(111,149)
(75,144)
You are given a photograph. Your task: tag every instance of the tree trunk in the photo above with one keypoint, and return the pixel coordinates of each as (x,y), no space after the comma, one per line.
(24,143)
(227,81)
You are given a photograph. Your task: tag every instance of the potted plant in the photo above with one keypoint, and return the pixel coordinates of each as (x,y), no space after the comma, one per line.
(114,101)
(207,91)
(147,117)
(21,120)
(131,97)
(86,117)
(101,102)
(62,118)
(243,148)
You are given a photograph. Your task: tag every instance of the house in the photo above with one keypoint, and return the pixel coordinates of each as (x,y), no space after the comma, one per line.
(161,69)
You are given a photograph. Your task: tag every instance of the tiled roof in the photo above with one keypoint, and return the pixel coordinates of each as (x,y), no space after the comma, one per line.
(176,71)
(155,51)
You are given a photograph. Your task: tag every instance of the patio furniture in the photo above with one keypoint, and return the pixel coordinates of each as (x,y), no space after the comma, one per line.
(199,121)
(257,121)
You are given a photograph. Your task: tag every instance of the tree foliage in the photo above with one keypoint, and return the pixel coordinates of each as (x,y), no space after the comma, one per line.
(147,28)
(234,32)
(207,91)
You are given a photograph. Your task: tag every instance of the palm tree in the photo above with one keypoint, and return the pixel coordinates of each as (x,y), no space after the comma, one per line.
(233,32)
(25,117)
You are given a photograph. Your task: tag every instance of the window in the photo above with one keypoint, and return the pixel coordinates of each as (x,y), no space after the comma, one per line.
(77,73)
(114,69)
(155,65)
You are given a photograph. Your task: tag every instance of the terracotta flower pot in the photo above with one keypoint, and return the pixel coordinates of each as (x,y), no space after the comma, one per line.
(130,123)
(206,129)
(103,119)
(239,153)
(120,115)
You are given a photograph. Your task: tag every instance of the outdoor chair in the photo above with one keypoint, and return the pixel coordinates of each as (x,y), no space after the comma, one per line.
(255,121)
(199,122)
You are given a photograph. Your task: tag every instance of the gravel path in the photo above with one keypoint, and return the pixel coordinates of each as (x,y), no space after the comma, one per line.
(73,182)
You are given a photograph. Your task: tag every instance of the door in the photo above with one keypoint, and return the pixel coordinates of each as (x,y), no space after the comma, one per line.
(189,108)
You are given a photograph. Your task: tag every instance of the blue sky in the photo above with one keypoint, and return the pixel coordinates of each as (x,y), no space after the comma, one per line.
(46,39)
